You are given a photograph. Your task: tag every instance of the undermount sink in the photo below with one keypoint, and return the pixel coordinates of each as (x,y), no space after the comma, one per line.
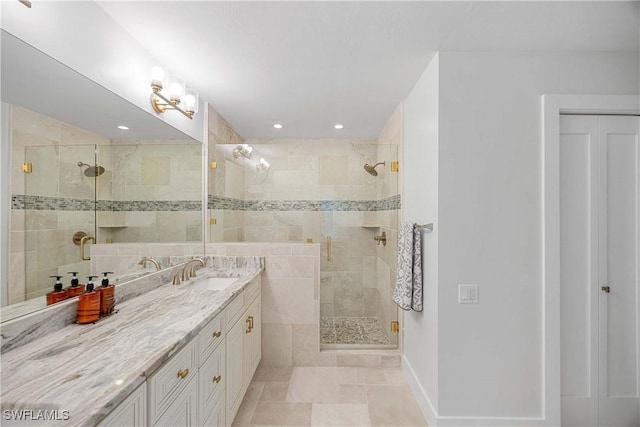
(212,283)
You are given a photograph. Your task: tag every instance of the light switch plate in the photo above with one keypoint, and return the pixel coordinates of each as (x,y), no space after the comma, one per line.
(468,294)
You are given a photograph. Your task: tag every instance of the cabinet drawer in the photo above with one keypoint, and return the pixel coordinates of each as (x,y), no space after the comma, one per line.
(212,380)
(169,380)
(234,309)
(211,336)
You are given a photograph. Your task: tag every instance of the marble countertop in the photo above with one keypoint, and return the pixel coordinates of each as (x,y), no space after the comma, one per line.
(88,370)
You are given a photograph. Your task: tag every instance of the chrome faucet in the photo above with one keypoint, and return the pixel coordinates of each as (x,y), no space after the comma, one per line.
(189,271)
(143,262)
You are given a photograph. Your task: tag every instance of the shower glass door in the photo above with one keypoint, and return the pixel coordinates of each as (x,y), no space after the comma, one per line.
(357,273)
(58,201)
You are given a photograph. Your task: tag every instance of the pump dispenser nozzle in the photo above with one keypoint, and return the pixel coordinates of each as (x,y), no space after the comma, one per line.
(57,294)
(74,280)
(105,279)
(76,288)
(58,286)
(90,283)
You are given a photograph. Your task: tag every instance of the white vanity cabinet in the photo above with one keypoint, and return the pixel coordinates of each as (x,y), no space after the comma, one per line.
(132,412)
(204,383)
(243,346)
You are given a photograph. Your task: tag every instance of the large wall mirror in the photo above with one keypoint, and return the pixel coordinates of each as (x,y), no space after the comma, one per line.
(75,174)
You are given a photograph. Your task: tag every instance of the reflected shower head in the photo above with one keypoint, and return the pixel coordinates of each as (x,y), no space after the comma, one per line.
(371,170)
(92,171)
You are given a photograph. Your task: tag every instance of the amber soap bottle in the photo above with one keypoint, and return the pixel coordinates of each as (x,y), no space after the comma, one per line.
(89,304)
(107,295)
(58,294)
(76,288)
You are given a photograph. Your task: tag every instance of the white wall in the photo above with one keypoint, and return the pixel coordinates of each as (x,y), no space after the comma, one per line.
(420,204)
(85,38)
(489,227)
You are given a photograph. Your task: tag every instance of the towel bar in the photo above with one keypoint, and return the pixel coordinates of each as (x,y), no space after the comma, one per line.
(425,226)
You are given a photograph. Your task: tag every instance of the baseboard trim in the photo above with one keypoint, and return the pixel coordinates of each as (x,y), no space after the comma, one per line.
(435,420)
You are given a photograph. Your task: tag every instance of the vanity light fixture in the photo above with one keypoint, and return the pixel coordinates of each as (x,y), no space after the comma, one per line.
(278,126)
(262,165)
(242,150)
(170,93)
(338,126)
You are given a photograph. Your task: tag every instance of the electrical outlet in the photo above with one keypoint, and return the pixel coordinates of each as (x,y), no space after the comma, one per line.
(468,294)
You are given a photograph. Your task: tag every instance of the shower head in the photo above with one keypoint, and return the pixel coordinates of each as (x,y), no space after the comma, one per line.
(371,170)
(92,171)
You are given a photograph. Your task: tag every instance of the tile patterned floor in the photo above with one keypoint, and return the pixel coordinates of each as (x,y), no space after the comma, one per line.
(352,330)
(321,397)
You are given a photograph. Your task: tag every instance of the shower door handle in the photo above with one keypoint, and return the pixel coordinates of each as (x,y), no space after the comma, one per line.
(328,248)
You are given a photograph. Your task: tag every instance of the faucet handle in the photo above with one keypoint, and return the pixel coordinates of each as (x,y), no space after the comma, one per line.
(176,279)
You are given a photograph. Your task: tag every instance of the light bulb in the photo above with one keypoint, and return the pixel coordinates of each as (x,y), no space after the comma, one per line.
(157,79)
(191,101)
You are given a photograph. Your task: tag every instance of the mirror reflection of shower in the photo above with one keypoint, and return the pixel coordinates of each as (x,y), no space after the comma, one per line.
(371,170)
(91,171)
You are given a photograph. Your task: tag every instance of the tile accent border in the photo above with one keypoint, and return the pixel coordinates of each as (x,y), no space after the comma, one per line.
(46,203)
(228,203)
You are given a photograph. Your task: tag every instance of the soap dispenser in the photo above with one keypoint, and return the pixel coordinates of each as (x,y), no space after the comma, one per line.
(89,304)
(58,294)
(76,288)
(107,295)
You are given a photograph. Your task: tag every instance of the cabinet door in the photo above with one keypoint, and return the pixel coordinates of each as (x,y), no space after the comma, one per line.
(184,410)
(235,369)
(212,380)
(216,417)
(132,412)
(254,339)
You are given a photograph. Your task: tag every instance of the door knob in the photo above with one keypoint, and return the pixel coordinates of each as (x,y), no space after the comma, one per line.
(606,289)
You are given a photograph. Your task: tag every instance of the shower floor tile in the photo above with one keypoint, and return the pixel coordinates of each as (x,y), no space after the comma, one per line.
(352,330)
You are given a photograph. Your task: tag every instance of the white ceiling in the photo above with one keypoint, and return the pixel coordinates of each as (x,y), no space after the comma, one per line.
(309,65)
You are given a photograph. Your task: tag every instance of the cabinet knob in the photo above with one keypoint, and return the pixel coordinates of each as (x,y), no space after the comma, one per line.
(183,373)
(217,334)
(217,379)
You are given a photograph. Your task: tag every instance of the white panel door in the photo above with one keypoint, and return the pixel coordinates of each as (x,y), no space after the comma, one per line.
(600,265)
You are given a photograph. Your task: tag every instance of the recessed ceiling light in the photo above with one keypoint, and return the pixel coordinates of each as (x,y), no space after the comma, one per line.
(123,127)
(278,126)
(338,126)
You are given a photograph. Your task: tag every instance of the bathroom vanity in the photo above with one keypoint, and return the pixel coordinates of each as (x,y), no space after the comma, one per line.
(176,355)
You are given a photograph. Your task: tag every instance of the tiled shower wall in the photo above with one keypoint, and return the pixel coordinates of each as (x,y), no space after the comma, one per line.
(156,186)
(317,189)
(41,239)
(150,192)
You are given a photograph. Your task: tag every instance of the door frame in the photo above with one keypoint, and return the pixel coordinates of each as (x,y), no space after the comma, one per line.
(552,107)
